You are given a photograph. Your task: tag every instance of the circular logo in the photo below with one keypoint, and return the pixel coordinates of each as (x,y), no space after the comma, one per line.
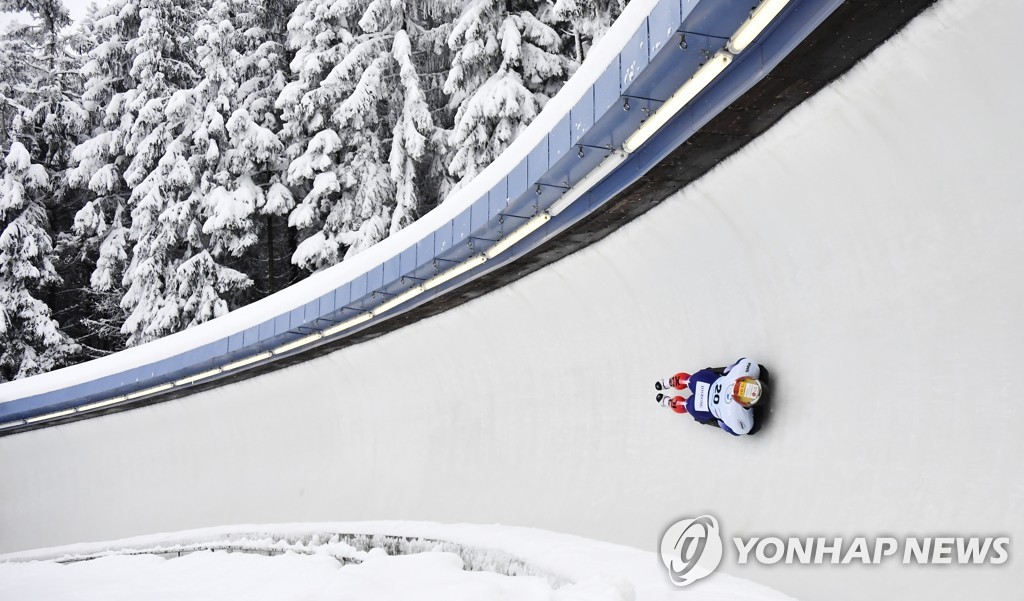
(691,549)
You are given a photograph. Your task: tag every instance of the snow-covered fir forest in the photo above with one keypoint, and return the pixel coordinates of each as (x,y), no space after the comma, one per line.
(163,162)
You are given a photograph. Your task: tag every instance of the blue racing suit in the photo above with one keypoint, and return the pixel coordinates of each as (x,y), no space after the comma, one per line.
(712,397)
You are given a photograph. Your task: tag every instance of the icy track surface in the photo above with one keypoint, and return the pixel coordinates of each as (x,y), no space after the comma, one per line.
(307,562)
(866,249)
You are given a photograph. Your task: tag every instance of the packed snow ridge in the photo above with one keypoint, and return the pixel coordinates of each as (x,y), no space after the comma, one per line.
(359,560)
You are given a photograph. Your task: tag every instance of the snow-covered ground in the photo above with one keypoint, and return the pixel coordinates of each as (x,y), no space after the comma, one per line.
(866,249)
(316,561)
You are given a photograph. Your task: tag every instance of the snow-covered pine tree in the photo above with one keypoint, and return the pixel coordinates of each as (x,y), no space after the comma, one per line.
(333,128)
(506,67)
(371,167)
(586,21)
(319,38)
(162,58)
(159,67)
(172,281)
(201,128)
(352,198)
(99,235)
(226,196)
(255,150)
(51,118)
(49,15)
(101,159)
(31,342)
(406,26)
(13,76)
(45,121)
(413,130)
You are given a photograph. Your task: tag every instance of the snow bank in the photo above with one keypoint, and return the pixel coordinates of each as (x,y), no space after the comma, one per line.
(357,560)
(220,576)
